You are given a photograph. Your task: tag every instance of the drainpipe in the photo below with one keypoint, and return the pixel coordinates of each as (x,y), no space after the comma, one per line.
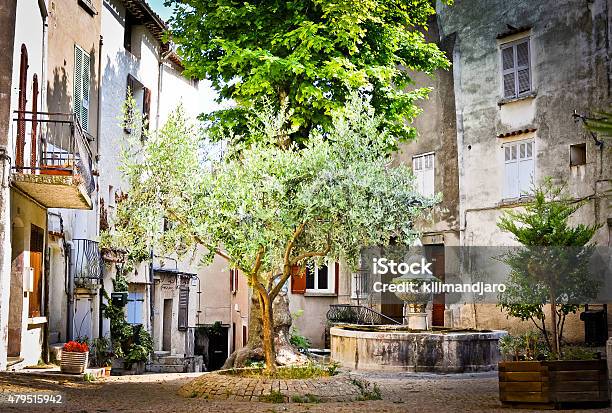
(70,293)
(99,97)
(151,297)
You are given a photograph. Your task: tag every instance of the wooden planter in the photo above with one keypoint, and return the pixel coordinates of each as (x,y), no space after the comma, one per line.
(554,384)
(73,362)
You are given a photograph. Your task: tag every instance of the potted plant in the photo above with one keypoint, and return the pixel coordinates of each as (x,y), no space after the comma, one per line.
(75,356)
(101,354)
(551,275)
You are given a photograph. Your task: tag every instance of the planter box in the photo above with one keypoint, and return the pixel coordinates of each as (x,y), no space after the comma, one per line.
(74,363)
(554,383)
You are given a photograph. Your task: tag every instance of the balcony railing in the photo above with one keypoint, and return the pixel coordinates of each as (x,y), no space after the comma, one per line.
(87,262)
(52,144)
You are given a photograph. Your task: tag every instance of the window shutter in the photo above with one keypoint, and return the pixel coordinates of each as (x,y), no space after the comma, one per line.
(525,167)
(231,271)
(183,307)
(510,171)
(146,107)
(235,279)
(78,83)
(337,277)
(21,106)
(85,92)
(522,66)
(428,175)
(298,281)
(508,72)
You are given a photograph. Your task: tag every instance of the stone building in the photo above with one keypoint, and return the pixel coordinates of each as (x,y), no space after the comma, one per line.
(501,119)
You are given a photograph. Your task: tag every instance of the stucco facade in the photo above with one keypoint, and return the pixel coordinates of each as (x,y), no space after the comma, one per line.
(471,122)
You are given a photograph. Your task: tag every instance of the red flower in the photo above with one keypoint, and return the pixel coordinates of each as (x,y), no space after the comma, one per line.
(76,347)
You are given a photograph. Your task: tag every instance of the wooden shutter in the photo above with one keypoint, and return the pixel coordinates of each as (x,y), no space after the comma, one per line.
(36,262)
(523,74)
(510,171)
(78,82)
(183,307)
(337,277)
(298,280)
(525,167)
(86,67)
(508,72)
(21,126)
(146,108)
(245,336)
(235,279)
(33,143)
(428,175)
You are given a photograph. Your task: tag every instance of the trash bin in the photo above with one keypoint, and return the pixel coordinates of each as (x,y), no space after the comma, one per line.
(595,327)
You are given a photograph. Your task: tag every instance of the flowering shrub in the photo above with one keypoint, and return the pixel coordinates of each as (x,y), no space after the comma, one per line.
(76,347)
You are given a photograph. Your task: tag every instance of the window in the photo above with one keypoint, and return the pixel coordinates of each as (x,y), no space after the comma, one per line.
(233,280)
(135,303)
(81,86)
(320,278)
(127,32)
(516,72)
(578,154)
(360,285)
(423,168)
(518,168)
(142,100)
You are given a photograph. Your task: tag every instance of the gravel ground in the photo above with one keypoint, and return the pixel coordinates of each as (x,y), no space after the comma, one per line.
(402,392)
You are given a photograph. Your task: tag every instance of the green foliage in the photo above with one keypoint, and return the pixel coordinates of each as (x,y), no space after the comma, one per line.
(528,346)
(275,396)
(298,340)
(307,371)
(141,348)
(340,190)
(601,123)
(553,267)
(312,53)
(100,352)
(307,398)
(367,390)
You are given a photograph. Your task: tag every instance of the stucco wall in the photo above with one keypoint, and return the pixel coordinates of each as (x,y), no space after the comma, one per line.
(25,333)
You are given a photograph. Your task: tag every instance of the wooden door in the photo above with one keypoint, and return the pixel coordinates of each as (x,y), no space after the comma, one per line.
(435,254)
(167,326)
(36,263)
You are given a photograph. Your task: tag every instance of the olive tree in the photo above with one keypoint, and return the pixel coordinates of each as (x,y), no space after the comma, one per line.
(266,207)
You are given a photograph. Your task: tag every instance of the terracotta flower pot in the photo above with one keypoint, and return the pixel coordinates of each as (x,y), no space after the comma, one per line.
(73,362)
(107,371)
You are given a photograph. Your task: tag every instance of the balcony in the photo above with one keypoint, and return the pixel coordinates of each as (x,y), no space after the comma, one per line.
(86,263)
(53,161)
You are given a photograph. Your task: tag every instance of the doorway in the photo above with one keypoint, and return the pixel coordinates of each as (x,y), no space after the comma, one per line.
(435,255)
(167,326)
(211,342)
(37,239)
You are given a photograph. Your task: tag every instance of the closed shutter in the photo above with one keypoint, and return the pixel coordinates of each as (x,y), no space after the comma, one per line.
(146,108)
(508,72)
(510,171)
(183,307)
(82,64)
(231,280)
(298,280)
(336,277)
(525,167)
(516,72)
(423,169)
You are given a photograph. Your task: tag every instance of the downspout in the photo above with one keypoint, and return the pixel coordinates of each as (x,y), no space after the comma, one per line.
(99,98)
(70,293)
(151,298)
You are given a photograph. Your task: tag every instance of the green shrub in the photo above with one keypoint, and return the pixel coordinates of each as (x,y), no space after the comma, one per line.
(273,397)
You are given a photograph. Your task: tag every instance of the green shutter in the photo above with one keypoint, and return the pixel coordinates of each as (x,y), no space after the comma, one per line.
(82,63)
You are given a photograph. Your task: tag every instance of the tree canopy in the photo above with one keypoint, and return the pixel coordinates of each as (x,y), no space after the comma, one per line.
(269,209)
(311,52)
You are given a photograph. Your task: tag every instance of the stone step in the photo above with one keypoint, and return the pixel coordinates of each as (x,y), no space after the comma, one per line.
(166,368)
(169,359)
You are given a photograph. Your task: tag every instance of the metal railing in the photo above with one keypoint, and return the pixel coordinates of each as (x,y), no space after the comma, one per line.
(52,144)
(87,261)
(357,314)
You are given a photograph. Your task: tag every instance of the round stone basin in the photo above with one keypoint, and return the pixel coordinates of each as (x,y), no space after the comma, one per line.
(396,348)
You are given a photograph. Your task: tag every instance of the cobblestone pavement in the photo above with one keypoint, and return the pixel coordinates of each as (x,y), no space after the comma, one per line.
(402,392)
(226,387)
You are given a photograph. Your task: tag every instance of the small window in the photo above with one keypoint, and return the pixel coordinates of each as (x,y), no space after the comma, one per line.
(516,69)
(518,168)
(423,168)
(142,100)
(135,304)
(320,278)
(233,280)
(578,154)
